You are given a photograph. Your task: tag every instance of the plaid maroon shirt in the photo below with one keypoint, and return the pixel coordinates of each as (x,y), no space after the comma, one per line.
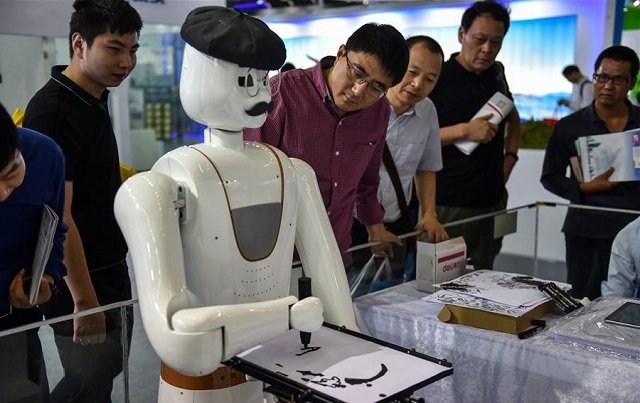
(345,153)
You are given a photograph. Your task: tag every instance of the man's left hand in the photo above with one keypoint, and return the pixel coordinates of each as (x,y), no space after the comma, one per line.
(378,233)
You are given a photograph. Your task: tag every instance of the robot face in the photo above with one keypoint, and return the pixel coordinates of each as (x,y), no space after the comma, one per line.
(223,95)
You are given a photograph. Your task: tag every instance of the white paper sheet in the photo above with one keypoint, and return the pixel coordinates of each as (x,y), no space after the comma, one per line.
(469,301)
(342,366)
(494,291)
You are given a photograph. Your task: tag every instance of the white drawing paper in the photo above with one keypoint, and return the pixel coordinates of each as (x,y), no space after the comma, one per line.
(494,291)
(469,301)
(343,366)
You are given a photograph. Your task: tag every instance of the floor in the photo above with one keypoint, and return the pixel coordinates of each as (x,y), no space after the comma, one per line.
(144,365)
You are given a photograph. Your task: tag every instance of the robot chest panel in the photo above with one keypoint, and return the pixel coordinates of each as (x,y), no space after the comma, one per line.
(239,235)
(253,198)
(241,255)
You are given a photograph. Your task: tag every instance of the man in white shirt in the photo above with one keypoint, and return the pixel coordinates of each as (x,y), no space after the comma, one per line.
(582,92)
(413,139)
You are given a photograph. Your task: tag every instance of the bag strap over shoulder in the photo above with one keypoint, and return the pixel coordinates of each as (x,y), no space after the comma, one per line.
(387,159)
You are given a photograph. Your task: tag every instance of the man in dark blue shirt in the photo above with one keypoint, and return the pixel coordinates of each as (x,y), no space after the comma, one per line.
(31,175)
(589,234)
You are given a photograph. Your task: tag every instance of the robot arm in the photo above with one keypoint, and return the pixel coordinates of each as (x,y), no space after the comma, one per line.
(146,210)
(319,250)
(246,325)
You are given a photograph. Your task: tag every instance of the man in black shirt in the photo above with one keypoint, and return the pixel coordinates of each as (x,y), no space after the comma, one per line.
(589,234)
(72,109)
(471,185)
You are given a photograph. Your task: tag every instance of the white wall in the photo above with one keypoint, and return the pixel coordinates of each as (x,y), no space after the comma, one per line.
(524,188)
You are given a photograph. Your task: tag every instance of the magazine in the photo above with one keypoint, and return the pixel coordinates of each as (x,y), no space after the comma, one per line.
(47,232)
(498,106)
(599,152)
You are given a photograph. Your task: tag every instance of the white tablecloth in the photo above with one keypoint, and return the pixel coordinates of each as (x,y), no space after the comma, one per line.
(496,367)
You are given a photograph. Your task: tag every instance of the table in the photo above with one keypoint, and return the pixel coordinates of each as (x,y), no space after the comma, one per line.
(491,366)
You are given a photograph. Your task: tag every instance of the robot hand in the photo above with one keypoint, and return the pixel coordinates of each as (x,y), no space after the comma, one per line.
(306,315)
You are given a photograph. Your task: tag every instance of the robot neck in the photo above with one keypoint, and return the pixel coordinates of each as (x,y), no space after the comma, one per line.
(224,138)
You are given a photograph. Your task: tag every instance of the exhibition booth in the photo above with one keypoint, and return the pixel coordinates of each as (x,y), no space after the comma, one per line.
(556,354)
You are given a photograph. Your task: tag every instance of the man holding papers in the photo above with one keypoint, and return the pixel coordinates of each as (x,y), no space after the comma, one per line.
(472,181)
(590,233)
(31,176)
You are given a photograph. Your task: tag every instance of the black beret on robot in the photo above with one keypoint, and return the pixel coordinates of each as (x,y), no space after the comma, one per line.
(233,36)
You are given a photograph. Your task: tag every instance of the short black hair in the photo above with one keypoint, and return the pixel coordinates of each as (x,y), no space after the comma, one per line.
(428,42)
(572,68)
(384,42)
(622,54)
(287,66)
(95,17)
(498,11)
(8,138)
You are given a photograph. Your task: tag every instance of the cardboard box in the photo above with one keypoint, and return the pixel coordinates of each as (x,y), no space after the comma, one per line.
(490,320)
(439,262)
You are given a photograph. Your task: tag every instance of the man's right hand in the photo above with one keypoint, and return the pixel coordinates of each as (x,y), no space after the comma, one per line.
(481,130)
(600,183)
(89,329)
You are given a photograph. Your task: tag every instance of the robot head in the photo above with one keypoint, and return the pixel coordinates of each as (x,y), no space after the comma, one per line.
(223,83)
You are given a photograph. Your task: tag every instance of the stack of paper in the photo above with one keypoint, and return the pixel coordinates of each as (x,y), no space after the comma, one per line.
(493,291)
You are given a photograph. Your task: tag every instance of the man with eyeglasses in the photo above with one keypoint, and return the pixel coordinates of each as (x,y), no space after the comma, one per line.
(474,184)
(334,117)
(589,234)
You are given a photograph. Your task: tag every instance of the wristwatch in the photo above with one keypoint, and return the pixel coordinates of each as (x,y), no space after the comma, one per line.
(512,155)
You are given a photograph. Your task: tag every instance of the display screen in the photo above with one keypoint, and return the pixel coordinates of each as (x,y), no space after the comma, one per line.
(627,315)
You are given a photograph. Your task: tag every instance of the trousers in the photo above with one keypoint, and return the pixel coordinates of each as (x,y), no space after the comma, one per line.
(587,264)
(89,370)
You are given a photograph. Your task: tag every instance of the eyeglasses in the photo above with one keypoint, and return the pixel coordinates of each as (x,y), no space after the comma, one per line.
(359,77)
(254,79)
(617,80)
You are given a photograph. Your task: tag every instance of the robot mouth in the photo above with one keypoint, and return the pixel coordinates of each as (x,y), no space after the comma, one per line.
(259,108)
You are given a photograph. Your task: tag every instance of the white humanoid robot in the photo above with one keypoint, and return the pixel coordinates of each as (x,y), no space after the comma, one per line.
(212,227)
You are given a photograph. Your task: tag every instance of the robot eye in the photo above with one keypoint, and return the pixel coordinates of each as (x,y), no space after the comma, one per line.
(253,81)
(246,81)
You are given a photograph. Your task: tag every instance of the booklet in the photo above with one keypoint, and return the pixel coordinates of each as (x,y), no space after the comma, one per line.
(498,106)
(599,152)
(47,232)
